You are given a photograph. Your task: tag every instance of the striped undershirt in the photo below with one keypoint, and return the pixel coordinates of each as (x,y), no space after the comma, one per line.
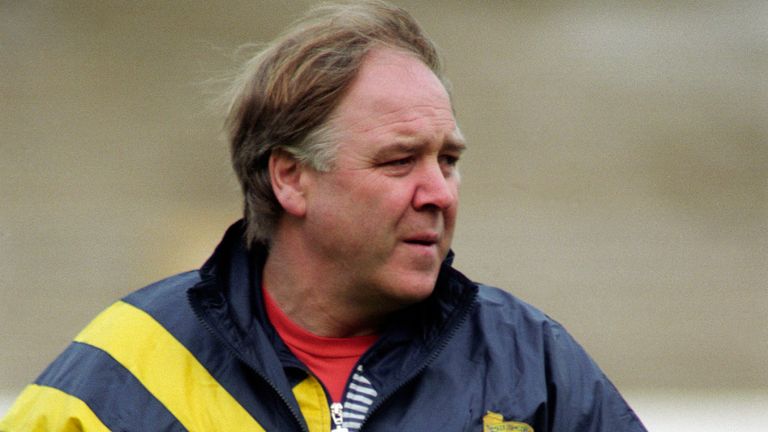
(358,400)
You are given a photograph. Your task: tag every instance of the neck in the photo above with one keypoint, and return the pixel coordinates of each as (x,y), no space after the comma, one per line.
(315,297)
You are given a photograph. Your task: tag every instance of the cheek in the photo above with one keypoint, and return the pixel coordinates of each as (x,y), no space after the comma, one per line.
(382,196)
(393,207)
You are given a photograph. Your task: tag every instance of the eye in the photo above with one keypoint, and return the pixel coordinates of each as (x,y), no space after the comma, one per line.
(398,166)
(450,160)
(399,162)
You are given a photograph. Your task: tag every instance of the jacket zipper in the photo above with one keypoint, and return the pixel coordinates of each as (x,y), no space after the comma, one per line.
(436,352)
(337,415)
(242,359)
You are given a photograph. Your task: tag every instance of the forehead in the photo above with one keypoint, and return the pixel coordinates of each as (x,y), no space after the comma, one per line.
(394,92)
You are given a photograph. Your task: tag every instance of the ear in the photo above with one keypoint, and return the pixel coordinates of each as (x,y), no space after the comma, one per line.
(285,173)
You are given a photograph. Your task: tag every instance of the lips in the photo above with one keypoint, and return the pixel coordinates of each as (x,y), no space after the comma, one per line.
(423,239)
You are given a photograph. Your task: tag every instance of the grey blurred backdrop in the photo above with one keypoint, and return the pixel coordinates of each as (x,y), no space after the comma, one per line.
(617,175)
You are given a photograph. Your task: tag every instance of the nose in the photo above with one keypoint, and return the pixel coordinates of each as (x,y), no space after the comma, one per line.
(435,189)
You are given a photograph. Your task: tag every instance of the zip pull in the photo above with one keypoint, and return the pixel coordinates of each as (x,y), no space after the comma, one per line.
(337,414)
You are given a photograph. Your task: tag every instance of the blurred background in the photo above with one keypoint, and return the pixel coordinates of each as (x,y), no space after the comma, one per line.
(617,176)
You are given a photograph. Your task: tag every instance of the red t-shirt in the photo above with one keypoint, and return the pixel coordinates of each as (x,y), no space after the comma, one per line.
(330,359)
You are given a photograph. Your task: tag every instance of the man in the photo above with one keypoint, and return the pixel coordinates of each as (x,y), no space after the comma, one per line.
(333,305)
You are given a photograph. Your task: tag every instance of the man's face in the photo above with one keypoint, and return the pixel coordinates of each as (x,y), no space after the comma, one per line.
(383,216)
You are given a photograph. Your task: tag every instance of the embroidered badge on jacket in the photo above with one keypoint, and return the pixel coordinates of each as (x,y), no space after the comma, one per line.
(494,422)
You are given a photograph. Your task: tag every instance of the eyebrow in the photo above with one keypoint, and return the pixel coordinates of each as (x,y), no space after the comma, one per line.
(455,143)
(452,144)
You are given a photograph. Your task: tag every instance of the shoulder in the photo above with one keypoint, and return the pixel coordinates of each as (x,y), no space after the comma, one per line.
(123,335)
(505,316)
(168,290)
(507,320)
(162,304)
(546,354)
(514,329)
(156,312)
(493,298)
(507,313)
(113,375)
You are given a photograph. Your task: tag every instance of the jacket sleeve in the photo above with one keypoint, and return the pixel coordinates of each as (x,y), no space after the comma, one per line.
(582,398)
(41,408)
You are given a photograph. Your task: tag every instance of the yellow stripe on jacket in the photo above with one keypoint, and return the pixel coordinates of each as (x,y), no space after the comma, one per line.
(167,369)
(46,409)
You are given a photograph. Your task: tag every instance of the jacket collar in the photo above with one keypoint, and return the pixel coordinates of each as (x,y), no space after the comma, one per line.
(229,301)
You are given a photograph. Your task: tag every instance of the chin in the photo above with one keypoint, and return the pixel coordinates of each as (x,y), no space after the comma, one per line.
(410,290)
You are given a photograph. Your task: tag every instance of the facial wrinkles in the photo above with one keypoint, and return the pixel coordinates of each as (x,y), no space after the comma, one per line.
(425,135)
(409,220)
(439,117)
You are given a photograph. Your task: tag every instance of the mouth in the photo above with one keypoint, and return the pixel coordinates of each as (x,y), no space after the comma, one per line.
(423,240)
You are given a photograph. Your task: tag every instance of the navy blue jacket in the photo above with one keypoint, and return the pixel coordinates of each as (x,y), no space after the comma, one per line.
(195,352)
